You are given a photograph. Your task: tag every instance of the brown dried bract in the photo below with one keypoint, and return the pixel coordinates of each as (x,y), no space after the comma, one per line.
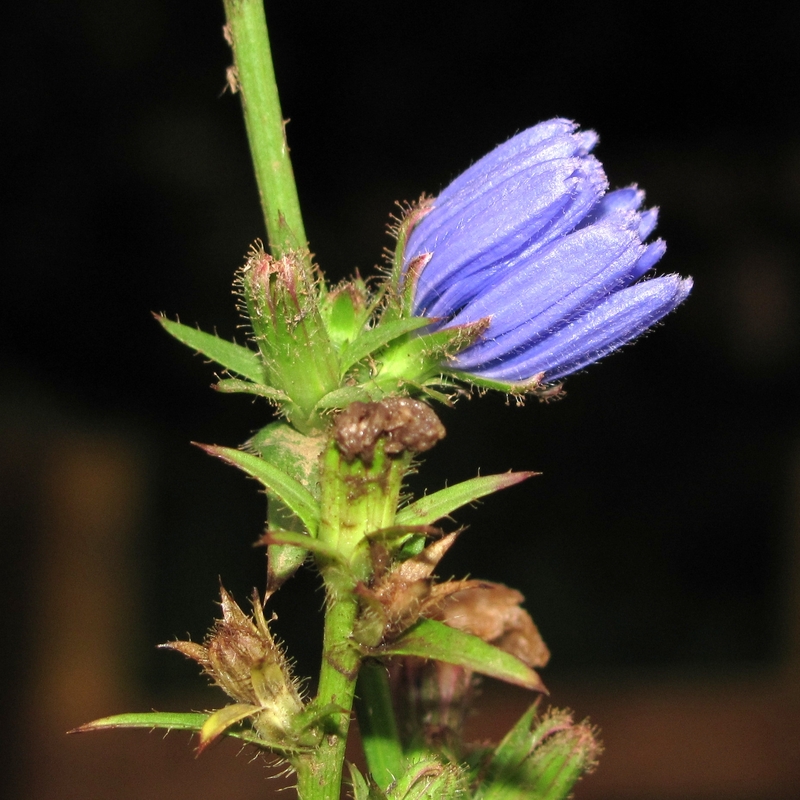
(404,424)
(493,612)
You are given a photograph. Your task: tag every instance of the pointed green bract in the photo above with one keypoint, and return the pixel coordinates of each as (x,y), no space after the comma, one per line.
(362,790)
(296,455)
(346,311)
(435,640)
(535,386)
(433,507)
(540,759)
(516,745)
(417,360)
(234,386)
(341,398)
(428,778)
(289,491)
(168,720)
(165,720)
(372,340)
(235,358)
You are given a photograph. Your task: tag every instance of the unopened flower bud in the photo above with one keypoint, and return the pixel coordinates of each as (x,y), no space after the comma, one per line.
(282,299)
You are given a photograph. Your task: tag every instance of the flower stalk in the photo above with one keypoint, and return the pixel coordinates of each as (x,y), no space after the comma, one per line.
(254,78)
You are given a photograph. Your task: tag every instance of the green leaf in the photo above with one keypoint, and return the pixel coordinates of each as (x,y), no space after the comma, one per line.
(165,720)
(234,386)
(372,340)
(173,721)
(430,508)
(301,541)
(379,734)
(290,451)
(297,455)
(289,491)
(235,358)
(435,640)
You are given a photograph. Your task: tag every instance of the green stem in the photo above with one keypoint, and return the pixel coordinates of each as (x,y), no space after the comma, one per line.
(319,776)
(247,33)
(355,499)
(376,721)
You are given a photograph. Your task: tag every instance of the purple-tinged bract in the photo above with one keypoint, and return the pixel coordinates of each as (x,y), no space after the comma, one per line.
(530,238)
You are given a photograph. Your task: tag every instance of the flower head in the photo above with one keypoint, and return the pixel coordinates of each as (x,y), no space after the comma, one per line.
(529,239)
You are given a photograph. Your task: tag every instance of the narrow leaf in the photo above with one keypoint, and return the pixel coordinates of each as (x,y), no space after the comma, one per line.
(239,360)
(234,386)
(380,737)
(430,508)
(372,340)
(301,541)
(435,640)
(173,721)
(289,491)
(164,720)
(533,385)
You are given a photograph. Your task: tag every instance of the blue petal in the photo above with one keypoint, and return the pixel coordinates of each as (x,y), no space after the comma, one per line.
(536,146)
(573,275)
(544,141)
(651,256)
(621,318)
(628,199)
(528,238)
(524,214)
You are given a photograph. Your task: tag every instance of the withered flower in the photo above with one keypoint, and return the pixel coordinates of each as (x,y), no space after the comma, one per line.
(494,613)
(402,594)
(433,696)
(240,655)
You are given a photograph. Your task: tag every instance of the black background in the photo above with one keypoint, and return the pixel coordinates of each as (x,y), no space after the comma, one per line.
(658,534)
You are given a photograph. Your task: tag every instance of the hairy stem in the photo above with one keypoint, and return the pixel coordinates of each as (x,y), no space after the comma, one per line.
(337,682)
(246,31)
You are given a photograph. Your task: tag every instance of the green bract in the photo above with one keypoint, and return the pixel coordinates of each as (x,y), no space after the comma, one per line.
(320,350)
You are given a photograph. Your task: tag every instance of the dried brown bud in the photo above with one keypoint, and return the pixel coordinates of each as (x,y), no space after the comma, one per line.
(401,595)
(404,424)
(241,657)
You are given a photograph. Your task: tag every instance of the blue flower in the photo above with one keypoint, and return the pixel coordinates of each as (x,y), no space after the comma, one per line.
(530,239)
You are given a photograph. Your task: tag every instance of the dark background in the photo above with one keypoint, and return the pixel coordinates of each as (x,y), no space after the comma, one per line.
(661,535)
